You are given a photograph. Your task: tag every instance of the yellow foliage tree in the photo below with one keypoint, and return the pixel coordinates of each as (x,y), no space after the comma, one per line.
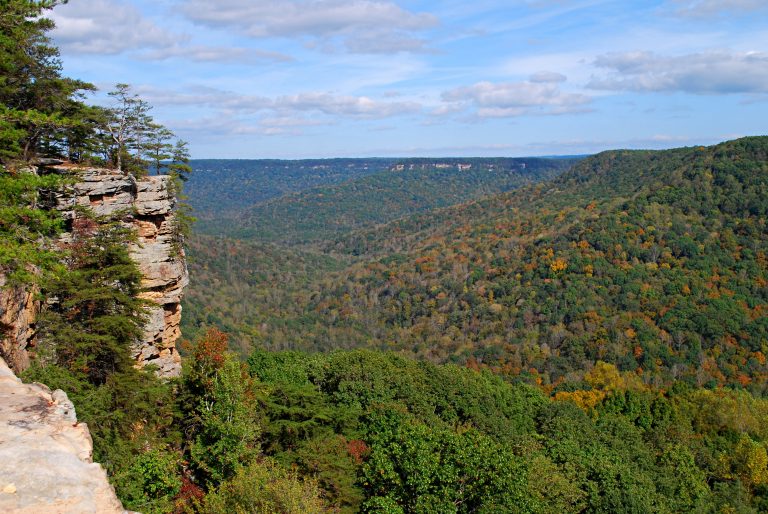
(586,400)
(607,377)
(604,376)
(748,462)
(558,265)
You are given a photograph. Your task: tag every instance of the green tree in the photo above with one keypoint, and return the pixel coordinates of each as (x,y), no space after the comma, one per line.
(179,166)
(23,225)
(229,428)
(416,468)
(98,314)
(265,488)
(127,122)
(158,147)
(37,102)
(151,482)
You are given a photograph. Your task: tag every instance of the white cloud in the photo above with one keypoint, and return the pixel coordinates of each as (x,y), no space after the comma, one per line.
(217,54)
(708,8)
(113,27)
(701,73)
(224,125)
(286,106)
(206,98)
(363,26)
(106,27)
(344,105)
(547,76)
(229,124)
(504,100)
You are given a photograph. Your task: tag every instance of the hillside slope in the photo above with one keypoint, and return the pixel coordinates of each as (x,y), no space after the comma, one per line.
(224,188)
(257,275)
(408,188)
(654,261)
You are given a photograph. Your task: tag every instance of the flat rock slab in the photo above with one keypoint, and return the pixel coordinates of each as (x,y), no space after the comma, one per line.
(45,454)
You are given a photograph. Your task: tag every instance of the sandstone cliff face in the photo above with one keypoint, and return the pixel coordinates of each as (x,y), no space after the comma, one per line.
(163,266)
(45,454)
(148,204)
(18,308)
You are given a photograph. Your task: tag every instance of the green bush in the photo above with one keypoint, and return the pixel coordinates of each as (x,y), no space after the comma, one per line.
(263,487)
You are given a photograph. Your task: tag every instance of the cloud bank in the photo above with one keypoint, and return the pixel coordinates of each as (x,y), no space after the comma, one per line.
(700,73)
(505,100)
(106,27)
(362,26)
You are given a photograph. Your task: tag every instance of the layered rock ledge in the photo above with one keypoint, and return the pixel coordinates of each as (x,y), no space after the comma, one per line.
(148,206)
(45,454)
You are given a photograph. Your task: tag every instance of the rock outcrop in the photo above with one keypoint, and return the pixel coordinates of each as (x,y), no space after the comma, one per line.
(45,454)
(162,264)
(18,309)
(148,205)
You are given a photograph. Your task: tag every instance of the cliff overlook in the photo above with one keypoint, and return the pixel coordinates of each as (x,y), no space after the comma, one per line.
(148,204)
(147,207)
(45,454)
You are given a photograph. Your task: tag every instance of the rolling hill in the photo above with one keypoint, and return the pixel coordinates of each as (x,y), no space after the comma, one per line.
(405,189)
(224,188)
(654,261)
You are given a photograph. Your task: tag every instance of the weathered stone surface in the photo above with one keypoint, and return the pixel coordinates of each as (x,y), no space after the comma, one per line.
(154,196)
(105,191)
(45,454)
(164,269)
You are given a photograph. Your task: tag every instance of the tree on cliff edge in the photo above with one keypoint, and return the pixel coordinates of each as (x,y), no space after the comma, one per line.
(98,314)
(127,122)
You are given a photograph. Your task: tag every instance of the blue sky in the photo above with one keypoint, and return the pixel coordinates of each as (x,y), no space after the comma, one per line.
(328,78)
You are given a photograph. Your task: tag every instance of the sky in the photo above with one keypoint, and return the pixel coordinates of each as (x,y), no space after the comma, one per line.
(360,78)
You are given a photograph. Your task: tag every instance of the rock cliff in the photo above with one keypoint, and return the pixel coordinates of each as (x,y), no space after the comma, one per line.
(148,206)
(45,454)
(18,308)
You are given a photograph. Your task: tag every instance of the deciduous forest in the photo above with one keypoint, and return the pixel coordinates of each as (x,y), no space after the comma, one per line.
(584,334)
(634,279)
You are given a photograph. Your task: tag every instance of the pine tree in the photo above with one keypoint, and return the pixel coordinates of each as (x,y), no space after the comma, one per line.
(98,314)
(127,121)
(37,105)
(158,147)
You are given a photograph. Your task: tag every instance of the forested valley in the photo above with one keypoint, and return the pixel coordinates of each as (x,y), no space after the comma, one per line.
(468,335)
(628,281)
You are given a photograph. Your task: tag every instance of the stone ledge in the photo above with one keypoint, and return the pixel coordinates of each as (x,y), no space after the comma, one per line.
(45,454)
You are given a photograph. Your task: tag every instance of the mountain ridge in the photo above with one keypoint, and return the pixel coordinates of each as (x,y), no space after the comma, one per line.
(524,280)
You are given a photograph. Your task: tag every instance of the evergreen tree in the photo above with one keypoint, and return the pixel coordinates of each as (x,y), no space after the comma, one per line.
(158,147)
(98,314)
(126,122)
(23,226)
(37,105)
(179,166)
